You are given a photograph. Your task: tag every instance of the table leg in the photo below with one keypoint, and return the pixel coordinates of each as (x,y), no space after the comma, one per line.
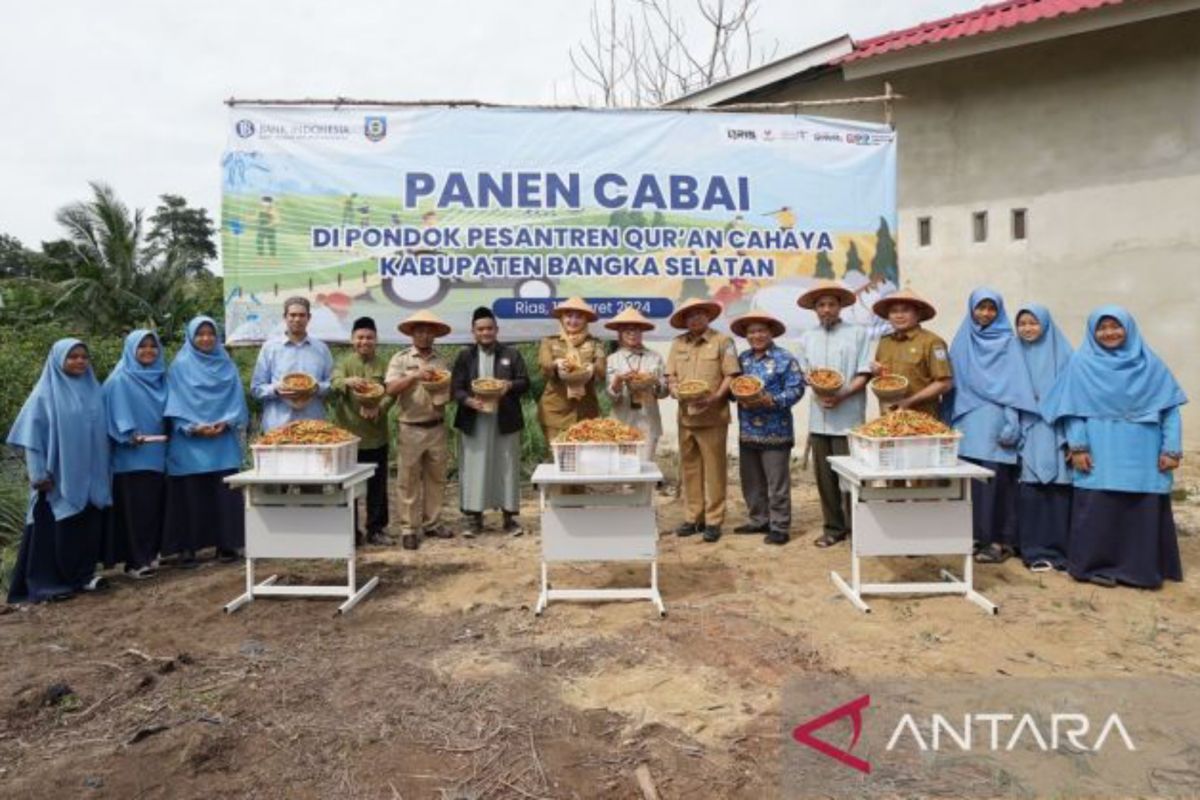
(359,595)
(658,601)
(248,596)
(851,594)
(543,597)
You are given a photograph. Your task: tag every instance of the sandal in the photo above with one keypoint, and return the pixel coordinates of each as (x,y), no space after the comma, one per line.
(1041,565)
(1103,580)
(993,554)
(829,540)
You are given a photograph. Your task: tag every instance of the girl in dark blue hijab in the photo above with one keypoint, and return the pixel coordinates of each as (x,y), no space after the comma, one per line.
(991,389)
(206,414)
(1044,496)
(135,396)
(61,430)
(1120,404)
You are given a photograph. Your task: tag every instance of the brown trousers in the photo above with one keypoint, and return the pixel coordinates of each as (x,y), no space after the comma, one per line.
(423,456)
(703,464)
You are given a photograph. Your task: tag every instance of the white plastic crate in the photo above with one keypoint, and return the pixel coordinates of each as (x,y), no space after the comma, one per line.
(300,460)
(579,458)
(907,452)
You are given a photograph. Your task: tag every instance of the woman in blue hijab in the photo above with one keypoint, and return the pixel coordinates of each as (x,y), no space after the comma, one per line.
(206,412)
(1121,408)
(61,429)
(135,396)
(991,388)
(1044,494)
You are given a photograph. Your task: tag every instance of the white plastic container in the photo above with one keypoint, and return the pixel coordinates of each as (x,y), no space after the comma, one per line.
(579,458)
(305,460)
(906,452)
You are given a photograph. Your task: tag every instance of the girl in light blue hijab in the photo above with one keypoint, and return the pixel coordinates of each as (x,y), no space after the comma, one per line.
(62,432)
(206,413)
(1044,494)
(135,396)
(1120,405)
(991,389)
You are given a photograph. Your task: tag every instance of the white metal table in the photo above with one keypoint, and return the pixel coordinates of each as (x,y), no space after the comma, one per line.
(910,512)
(284,521)
(617,526)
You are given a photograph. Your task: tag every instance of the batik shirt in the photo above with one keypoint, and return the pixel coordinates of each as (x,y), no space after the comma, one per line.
(771,428)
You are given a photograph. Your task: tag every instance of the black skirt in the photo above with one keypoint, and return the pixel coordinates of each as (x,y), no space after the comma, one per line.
(56,557)
(1044,522)
(202,511)
(994,505)
(1126,536)
(134,531)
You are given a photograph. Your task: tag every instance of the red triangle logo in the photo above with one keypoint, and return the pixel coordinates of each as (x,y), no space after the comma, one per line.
(804,733)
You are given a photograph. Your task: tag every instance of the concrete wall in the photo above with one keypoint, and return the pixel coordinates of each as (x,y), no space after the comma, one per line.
(1098,136)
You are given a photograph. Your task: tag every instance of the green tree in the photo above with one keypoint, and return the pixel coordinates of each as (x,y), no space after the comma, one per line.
(853,260)
(824,266)
(14,258)
(618,218)
(884,266)
(176,227)
(659,219)
(117,280)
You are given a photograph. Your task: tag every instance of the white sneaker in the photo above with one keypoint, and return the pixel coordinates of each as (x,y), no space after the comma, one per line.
(96,583)
(140,573)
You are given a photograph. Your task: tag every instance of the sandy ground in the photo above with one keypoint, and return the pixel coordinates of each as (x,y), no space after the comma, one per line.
(443,684)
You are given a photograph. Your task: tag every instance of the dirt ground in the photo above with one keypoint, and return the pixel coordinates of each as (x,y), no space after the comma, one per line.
(443,684)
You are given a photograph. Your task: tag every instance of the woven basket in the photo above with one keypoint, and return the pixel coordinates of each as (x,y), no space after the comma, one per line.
(371,398)
(690,391)
(744,395)
(889,395)
(439,389)
(827,391)
(488,397)
(298,398)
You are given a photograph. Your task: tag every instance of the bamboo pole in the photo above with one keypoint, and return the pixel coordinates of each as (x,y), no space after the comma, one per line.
(338,102)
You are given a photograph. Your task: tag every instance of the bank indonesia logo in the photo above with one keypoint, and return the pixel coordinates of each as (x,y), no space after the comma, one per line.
(375,128)
(244,128)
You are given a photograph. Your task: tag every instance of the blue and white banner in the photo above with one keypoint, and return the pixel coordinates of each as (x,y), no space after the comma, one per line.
(382,211)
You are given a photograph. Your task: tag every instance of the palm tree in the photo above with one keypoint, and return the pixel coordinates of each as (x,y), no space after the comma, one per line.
(118,280)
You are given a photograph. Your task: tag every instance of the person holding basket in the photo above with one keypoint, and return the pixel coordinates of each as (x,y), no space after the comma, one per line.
(489,457)
(419,379)
(836,359)
(770,384)
(571,362)
(360,405)
(700,367)
(636,378)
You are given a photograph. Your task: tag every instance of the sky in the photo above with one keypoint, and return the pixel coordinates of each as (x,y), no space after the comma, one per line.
(131,92)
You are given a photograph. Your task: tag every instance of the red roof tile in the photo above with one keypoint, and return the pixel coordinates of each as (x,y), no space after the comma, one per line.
(988,19)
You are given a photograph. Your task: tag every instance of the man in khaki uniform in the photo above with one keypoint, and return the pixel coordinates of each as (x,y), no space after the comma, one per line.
(421,435)
(913,352)
(702,354)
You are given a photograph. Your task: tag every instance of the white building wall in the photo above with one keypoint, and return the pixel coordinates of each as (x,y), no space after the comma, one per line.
(1098,136)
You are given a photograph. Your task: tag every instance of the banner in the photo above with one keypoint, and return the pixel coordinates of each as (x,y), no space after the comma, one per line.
(383,211)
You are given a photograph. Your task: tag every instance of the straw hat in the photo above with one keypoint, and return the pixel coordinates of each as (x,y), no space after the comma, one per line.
(423,318)
(925,309)
(629,318)
(739,325)
(575,304)
(823,287)
(711,306)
